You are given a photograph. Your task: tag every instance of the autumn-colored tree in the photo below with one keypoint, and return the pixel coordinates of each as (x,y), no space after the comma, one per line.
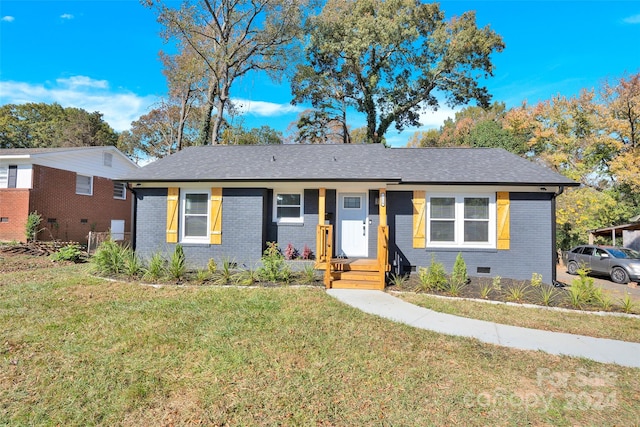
(155,134)
(232,38)
(41,125)
(388,58)
(622,103)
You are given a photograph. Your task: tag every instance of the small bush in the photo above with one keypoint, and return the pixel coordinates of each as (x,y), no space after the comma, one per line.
(546,293)
(31,228)
(273,266)
(109,258)
(399,280)
(212,266)
(583,291)
(177,264)
(156,268)
(433,277)
(459,276)
(517,292)
(132,263)
(290,252)
(71,253)
(307,253)
(308,274)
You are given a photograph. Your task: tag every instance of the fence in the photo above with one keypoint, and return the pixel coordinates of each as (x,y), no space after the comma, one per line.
(96,238)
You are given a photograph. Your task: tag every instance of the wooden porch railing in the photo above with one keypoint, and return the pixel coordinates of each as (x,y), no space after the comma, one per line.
(383,254)
(324,253)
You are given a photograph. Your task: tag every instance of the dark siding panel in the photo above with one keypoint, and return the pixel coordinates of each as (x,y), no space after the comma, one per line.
(242,228)
(531,240)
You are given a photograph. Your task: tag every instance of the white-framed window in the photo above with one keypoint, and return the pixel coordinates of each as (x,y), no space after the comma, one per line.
(194,218)
(119,191)
(12,176)
(462,220)
(288,207)
(84,185)
(351,202)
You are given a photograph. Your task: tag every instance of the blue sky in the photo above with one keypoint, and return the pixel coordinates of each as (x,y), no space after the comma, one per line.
(102,55)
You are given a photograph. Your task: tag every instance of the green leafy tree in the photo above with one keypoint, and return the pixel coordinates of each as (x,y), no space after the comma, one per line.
(238,135)
(41,125)
(389,58)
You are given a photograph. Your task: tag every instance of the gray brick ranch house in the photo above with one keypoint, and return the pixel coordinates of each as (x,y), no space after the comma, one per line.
(364,210)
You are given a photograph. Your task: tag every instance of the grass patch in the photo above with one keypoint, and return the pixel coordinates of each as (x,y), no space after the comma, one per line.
(617,328)
(77,350)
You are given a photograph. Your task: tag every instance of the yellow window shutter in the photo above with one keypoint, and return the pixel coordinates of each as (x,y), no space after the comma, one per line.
(172,214)
(216,216)
(502,201)
(419,207)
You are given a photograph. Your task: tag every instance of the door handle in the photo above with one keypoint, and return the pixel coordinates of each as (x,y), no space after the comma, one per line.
(364,228)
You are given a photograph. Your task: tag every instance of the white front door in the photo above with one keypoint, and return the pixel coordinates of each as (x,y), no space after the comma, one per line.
(352,226)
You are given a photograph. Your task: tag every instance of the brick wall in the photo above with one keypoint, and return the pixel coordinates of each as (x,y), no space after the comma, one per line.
(69,216)
(14,209)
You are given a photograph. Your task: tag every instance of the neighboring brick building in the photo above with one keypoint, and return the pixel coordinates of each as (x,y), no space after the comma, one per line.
(71,188)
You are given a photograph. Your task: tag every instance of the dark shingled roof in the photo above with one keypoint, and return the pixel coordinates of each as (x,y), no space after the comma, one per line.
(371,162)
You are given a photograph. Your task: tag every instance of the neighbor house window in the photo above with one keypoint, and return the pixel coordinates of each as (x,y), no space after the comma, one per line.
(289,207)
(119,190)
(195,216)
(84,185)
(12,177)
(461,220)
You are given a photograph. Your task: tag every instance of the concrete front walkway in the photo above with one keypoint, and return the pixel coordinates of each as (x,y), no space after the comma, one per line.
(599,349)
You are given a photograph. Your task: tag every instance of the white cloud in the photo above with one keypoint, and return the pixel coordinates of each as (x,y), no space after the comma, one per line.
(66,16)
(634,19)
(8,18)
(118,109)
(75,82)
(434,119)
(265,109)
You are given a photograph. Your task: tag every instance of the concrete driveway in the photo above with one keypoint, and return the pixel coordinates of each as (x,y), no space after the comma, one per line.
(616,290)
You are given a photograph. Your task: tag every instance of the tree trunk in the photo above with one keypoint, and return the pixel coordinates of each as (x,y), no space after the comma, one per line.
(205,126)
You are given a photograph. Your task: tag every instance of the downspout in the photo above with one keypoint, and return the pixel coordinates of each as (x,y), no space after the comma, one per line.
(134,210)
(554,227)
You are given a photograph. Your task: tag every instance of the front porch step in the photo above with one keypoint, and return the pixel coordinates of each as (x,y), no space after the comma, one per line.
(358,275)
(355,284)
(357,264)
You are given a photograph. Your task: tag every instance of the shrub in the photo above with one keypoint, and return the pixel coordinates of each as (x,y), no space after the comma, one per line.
(459,275)
(307,253)
(31,228)
(583,290)
(273,266)
(536,279)
(177,264)
(156,268)
(517,292)
(433,277)
(109,258)
(545,293)
(290,252)
(71,253)
(399,280)
(308,274)
(132,264)
(212,266)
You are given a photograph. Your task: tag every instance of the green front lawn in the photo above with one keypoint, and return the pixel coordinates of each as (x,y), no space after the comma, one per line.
(77,350)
